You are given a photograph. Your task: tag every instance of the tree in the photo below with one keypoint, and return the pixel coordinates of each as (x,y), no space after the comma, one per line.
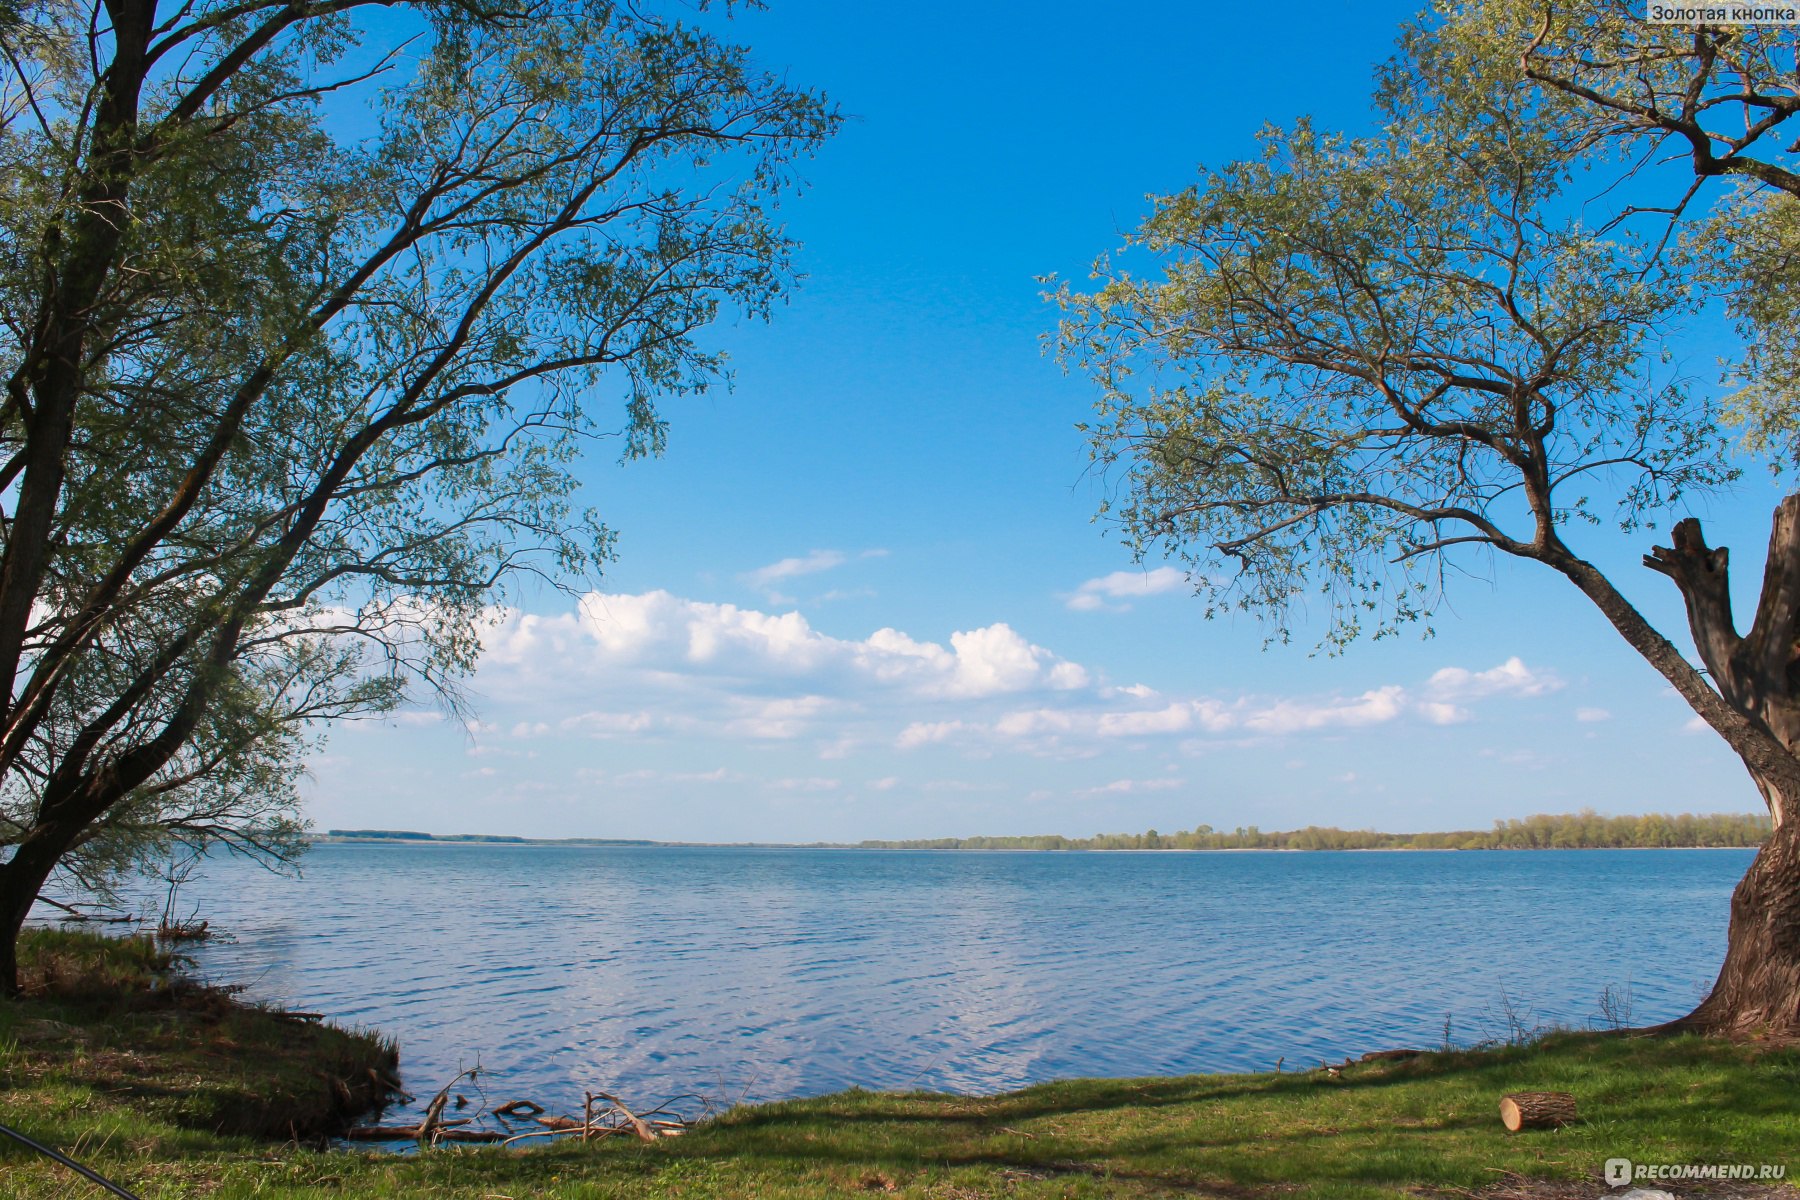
(300,342)
(1712,100)
(1367,358)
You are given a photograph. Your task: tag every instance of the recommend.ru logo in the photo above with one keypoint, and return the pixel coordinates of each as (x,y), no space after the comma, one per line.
(1621,1171)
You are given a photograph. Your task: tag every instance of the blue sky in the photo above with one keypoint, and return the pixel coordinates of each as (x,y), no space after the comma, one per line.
(862,594)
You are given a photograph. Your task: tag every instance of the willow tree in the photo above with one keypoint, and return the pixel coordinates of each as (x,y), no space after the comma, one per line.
(1713,104)
(300,343)
(1361,360)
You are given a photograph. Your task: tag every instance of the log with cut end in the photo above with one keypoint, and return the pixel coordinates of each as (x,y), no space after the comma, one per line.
(1536,1110)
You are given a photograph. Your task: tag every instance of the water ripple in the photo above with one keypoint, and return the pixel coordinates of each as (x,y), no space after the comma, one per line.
(656,971)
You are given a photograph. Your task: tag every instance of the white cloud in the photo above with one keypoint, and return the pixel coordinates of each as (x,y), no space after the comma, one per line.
(1122,786)
(925,733)
(788,568)
(784,718)
(1290,716)
(1049,728)
(608,724)
(1441,712)
(1094,595)
(1511,677)
(764,579)
(1592,714)
(810,784)
(653,664)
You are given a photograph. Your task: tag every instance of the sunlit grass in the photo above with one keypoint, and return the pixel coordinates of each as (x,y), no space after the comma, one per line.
(1422,1127)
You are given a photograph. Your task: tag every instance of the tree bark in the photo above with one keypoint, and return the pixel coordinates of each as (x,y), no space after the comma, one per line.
(1536,1110)
(1758,989)
(1758,675)
(22,877)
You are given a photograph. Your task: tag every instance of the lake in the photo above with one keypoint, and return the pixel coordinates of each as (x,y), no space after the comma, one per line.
(769,973)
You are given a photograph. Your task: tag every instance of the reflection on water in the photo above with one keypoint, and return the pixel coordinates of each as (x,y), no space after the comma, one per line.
(655,971)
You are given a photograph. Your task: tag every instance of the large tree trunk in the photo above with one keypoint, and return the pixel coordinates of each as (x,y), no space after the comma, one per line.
(1758,675)
(1758,989)
(21,879)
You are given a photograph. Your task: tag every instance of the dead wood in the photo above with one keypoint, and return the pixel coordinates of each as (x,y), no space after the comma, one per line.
(1536,1110)
(519,1108)
(638,1125)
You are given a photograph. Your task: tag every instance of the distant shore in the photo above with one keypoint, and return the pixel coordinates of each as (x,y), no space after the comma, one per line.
(1585,830)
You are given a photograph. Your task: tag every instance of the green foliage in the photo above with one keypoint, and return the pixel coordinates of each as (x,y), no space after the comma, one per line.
(325,403)
(1710,102)
(1583,830)
(1361,356)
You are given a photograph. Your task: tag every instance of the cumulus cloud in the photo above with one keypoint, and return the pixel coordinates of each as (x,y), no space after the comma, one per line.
(1052,728)
(1511,677)
(660,632)
(1108,592)
(656,665)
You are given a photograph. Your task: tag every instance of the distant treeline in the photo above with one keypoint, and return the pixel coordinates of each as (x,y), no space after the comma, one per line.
(1568,831)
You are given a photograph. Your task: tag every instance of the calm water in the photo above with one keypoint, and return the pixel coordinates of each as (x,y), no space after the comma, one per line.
(772,973)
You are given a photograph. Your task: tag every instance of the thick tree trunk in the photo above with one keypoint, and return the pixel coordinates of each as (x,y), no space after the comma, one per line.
(1758,675)
(21,879)
(1758,989)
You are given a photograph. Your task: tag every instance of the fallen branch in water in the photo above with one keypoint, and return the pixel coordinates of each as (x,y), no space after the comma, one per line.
(434,1112)
(637,1124)
(388,1133)
(75,913)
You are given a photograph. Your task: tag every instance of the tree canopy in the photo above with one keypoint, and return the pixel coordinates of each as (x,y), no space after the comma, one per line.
(1359,360)
(303,332)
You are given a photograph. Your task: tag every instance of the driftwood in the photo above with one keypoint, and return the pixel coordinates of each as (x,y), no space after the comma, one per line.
(434,1112)
(603,1115)
(1536,1110)
(388,1133)
(638,1125)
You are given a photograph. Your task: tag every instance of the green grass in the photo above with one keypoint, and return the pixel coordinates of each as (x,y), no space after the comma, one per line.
(1424,1127)
(109,1034)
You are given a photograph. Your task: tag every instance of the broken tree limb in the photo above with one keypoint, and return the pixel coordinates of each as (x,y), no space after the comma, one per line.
(388,1133)
(638,1126)
(519,1108)
(434,1112)
(1536,1110)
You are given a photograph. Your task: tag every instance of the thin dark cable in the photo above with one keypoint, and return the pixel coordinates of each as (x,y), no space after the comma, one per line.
(68,1162)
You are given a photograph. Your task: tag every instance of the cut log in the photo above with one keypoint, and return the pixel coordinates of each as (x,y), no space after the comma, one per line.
(1536,1110)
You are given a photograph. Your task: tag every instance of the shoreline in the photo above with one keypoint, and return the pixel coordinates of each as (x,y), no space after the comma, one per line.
(579,843)
(1419,1124)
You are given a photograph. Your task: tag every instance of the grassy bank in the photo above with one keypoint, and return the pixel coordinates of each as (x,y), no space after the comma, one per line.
(109,1035)
(136,1107)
